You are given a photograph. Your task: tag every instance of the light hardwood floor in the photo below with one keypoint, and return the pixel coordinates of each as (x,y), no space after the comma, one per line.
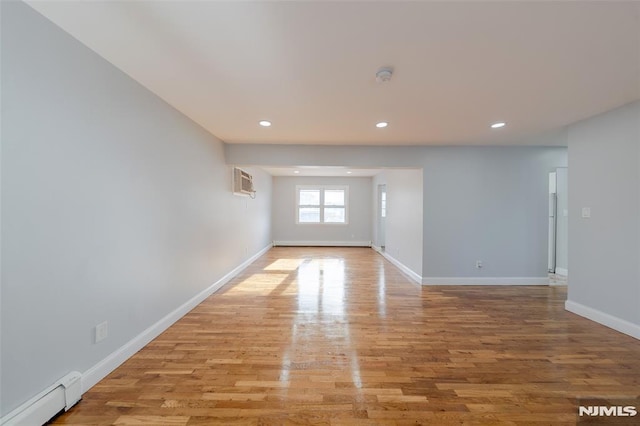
(339,336)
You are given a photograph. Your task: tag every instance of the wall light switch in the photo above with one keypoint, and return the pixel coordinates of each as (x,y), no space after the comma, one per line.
(586,212)
(102,331)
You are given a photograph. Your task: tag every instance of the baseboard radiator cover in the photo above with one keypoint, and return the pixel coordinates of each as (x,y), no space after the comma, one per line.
(316,243)
(62,395)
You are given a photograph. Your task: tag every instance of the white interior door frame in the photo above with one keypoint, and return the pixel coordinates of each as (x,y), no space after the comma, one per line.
(382,214)
(552,221)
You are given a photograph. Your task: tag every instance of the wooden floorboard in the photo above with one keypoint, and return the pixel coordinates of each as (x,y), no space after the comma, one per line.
(338,336)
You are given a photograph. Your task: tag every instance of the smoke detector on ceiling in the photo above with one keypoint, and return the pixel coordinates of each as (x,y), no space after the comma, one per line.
(383,75)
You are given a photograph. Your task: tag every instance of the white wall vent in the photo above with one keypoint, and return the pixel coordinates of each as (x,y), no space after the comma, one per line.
(243,183)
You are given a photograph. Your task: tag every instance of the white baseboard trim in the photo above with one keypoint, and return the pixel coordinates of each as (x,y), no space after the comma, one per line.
(322,243)
(485,280)
(99,371)
(618,324)
(562,271)
(404,268)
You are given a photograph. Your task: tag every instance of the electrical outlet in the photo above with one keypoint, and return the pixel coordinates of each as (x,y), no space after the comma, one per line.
(102,331)
(478,264)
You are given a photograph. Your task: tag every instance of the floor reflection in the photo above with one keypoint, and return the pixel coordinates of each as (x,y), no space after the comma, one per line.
(321,287)
(382,292)
(321,320)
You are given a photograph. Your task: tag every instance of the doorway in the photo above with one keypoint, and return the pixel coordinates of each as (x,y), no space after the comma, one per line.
(551,263)
(558,225)
(382,214)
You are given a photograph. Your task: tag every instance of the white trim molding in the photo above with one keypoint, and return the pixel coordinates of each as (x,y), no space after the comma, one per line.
(99,371)
(485,280)
(322,243)
(618,324)
(562,271)
(404,268)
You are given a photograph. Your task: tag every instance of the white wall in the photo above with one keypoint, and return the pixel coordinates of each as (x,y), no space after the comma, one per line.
(604,175)
(285,229)
(115,207)
(404,218)
(479,203)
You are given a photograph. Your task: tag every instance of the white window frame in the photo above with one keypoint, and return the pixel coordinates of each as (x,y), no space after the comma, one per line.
(322,206)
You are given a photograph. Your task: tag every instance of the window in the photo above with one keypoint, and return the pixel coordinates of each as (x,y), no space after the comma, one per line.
(321,204)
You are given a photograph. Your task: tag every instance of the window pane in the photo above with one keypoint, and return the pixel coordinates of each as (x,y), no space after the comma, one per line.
(309,215)
(334,215)
(334,197)
(309,197)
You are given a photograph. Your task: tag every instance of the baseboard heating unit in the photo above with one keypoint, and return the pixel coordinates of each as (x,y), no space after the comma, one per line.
(62,395)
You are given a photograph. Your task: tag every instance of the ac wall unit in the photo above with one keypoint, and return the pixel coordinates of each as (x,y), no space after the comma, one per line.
(242,182)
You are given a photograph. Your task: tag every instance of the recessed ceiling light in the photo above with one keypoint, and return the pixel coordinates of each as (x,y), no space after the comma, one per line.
(296,171)
(265,123)
(382,124)
(498,125)
(349,172)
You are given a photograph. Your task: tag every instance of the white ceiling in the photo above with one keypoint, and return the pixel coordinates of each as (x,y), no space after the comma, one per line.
(309,67)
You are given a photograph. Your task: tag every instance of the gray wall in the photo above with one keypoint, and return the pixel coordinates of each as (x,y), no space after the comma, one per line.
(114,207)
(562,220)
(479,203)
(488,204)
(604,175)
(284,211)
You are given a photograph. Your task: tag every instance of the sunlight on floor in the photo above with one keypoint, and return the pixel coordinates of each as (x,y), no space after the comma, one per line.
(258,285)
(284,265)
